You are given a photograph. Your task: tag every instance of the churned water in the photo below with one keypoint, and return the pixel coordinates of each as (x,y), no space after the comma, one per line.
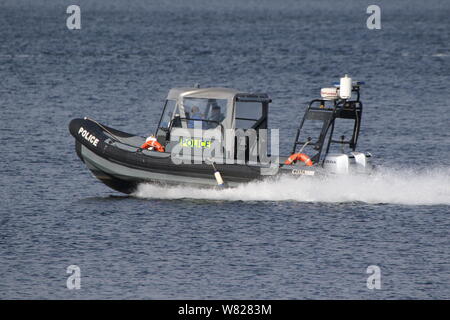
(407,187)
(277,239)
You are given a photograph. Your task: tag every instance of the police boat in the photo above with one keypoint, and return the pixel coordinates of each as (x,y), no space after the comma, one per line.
(211,137)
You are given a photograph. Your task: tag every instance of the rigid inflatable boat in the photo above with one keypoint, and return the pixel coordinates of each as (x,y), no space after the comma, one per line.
(213,137)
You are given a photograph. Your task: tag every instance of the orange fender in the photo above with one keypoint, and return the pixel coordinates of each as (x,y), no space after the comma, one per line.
(299,156)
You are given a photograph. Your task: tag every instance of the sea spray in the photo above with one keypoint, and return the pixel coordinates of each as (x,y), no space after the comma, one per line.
(386,186)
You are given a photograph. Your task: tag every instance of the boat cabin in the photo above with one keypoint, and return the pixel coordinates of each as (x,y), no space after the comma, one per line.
(196,110)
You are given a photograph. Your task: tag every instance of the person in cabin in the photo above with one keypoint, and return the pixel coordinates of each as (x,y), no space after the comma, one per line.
(216,116)
(195,115)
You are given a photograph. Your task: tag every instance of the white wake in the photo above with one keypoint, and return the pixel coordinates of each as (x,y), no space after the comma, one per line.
(389,186)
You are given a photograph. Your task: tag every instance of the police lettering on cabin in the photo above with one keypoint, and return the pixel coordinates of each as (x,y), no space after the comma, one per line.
(89,137)
(194,143)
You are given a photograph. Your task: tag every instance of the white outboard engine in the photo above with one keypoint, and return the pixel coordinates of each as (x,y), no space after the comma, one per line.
(355,162)
(337,163)
(360,162)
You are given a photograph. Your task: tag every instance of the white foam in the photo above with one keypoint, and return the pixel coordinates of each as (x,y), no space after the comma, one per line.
(390,186)
(440,55)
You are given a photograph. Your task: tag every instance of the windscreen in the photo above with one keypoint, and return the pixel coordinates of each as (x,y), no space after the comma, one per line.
(204,113)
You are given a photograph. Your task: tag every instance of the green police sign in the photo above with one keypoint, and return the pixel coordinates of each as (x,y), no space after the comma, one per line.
(194,143)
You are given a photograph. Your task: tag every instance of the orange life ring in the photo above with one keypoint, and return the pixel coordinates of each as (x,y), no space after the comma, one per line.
(299,156)
(153,143)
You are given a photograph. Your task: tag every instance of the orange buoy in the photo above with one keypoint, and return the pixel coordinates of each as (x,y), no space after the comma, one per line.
(299,156)
(152,142)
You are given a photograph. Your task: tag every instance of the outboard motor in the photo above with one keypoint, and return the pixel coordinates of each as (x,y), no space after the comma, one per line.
(360,162)
(355,162)
(337,163)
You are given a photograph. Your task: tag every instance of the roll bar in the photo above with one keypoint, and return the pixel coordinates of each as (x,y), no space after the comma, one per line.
(340,108)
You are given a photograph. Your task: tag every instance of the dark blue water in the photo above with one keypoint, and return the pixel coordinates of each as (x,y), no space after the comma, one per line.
(273,240)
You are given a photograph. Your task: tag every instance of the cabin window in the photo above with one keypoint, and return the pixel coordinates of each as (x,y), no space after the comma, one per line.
(168,113)
(164,122)
(248,114)
(204,113)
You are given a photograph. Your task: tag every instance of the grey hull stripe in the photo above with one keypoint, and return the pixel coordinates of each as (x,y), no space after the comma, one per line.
(130,174)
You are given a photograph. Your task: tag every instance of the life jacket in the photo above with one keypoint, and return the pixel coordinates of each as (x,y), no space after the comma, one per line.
(151,142)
